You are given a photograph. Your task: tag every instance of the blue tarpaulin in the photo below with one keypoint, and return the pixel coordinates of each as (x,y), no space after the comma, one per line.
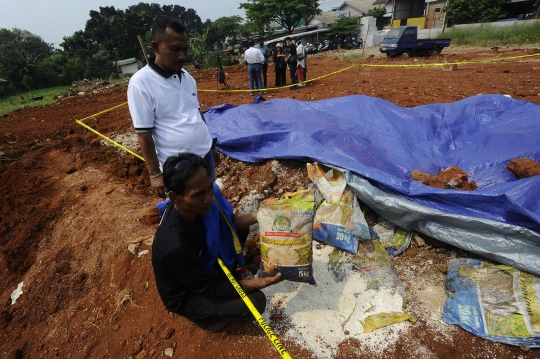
(380,144)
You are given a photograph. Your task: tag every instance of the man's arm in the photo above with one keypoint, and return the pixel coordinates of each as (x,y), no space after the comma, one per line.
(148,149)
(244,220)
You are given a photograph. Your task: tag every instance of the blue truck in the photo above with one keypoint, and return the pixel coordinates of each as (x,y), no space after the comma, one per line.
(404,41)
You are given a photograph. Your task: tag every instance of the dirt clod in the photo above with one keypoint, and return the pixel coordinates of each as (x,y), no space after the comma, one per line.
(451,178)
(524,167)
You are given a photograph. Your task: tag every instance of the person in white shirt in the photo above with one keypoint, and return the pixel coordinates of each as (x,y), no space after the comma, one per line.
(255,61)
(301,64)
(163,103)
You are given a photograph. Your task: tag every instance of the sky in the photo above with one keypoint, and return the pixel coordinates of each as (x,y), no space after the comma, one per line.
(54,19)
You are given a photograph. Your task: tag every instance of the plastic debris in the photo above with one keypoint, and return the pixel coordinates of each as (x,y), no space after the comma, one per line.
(17,293)
(495,302)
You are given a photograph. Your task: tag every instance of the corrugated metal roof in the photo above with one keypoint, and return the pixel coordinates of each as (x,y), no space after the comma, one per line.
(126,61)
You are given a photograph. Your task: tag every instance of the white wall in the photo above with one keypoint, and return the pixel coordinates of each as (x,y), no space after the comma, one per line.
(429,33)
(498,24)
(129,69)
(369,32)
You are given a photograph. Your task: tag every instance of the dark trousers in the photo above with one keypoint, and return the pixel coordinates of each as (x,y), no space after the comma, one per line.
(206,311)
(264,70)
(292,72)
(281,76)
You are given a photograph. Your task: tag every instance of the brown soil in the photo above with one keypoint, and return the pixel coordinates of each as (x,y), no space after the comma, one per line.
(70,207)
(450,178)
(524,167)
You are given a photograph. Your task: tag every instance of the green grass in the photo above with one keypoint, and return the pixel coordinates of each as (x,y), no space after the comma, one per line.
(23,100)
(523,33)
(354,57)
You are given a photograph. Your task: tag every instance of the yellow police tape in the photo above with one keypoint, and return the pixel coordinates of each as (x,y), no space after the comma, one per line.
(108,139)
(80,122)
(382,65)
(273,338)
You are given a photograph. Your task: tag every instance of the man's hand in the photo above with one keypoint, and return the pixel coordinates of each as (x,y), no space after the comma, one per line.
(259,283)
(157,186)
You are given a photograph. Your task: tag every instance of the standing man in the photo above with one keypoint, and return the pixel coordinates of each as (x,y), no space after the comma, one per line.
(291,60)
(255,61)
(163,104)
(300,68)
(266,53)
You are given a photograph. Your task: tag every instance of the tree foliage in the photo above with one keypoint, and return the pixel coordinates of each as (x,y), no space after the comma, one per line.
(224,27)
(20,55)
(467,12)
(378,13)
(286,13)
(257,16)
(344,26)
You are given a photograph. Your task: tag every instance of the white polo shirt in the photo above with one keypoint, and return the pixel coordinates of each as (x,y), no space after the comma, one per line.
(167,105)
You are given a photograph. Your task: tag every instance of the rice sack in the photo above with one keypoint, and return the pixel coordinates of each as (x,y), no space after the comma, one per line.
(286,229)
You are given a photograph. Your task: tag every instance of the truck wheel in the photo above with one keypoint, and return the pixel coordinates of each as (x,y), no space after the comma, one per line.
(406,53)
(435,51)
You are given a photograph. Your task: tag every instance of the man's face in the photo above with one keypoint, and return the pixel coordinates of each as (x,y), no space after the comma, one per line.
(288,42)
(261,42)
(171,51)
(197,196)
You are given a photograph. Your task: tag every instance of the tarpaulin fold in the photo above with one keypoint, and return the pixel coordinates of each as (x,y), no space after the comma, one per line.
(380,144)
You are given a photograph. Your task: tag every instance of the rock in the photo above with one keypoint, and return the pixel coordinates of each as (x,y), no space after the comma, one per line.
(143,253)
(168,352)
(133,248)
(167,333)
(150,216)
(141,355)
(443,268)
(411,252)
(346,332)
(81,93)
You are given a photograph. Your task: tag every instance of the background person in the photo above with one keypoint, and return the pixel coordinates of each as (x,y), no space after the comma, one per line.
(254,60)
(291,60)
(266,53)
(301,64)
(191,236)
(163,103)
(280,65)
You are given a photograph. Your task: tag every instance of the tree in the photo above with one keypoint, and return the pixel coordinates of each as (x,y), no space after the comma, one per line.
(257,16)
(288,14)
(467,12)
(344,26)
(20,55)
(378,13)
(226,26)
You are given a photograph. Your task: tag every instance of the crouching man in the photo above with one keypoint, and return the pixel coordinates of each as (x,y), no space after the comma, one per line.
(197,228)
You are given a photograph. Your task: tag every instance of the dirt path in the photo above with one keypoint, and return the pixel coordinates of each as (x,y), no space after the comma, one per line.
(69,208)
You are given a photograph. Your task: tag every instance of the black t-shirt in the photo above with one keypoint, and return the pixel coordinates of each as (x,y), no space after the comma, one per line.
(177,254)
(291,49)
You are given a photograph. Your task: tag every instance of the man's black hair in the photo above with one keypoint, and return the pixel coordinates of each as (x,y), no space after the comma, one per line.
(175,180)
(287,38)
(251,43)
(160,25)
